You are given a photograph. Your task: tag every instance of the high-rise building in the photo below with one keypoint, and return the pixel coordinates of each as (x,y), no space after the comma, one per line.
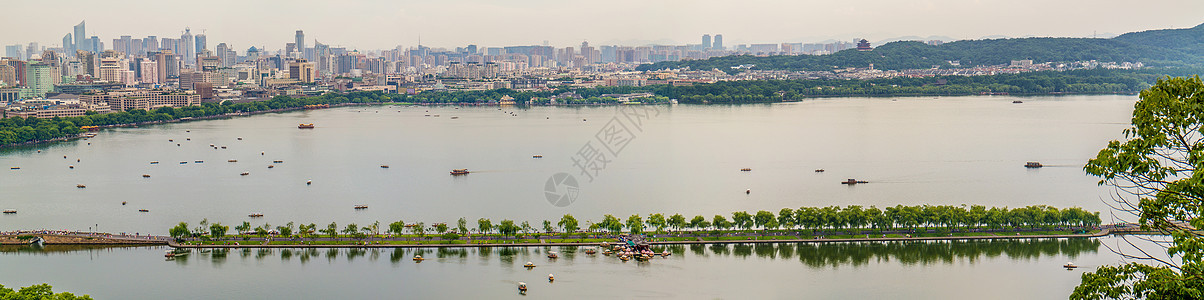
(202,43)
(226,55)
(188,47)
(166,62)
(94,44)
(80,36)
(706,41)
(14,51)
(68,45)
(151,44)
(39,79)
(718,45)
(301,70)
(31,49)
(149,70)
(299,43)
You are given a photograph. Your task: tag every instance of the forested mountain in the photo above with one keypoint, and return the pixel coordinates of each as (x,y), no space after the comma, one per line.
(1173,47)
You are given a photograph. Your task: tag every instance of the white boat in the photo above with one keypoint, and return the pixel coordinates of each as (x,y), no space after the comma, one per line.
(10,211)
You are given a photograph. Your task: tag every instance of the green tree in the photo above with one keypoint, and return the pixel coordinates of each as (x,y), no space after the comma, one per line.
(547,226)
(332,229)
(397,228)
(180,231)
(677,222)
(611,223)
(38,292)
(764,218)
(1156,166)
(568,223)
(441,228)
(246,226)
(699,223)
(351,229)
(720,222)
(657,221)
(484,226)
(508,228)
(217,231)
(635,224)
(462,225)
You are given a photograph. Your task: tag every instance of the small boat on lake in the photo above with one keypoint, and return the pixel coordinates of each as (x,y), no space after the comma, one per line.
(277,161)
(537,156)
(590,251)
(459,172)
(361,206)
(305,126)
(232,160)
(154,162)
(245,173)
(418,258)
(522,287)
(384,166)
(819,170)
(852,181)
(199,162)
(454,117)
(529,265)
(1017,101)
(144,210)
(255,215)
(15,168)
(746,169)
(271,166)
(10,211)
(552,255)
(1070,266)
(145,175)
(1033,165)
(80,186)
(183,163)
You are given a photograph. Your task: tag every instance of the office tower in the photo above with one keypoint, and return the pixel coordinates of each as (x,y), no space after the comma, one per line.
(149,70)
(39,79)
(187,47)
(31,49)
(299,43)
(301,70)
(225,55)
(201,43)
(13,51)
(252,54)
(718,45)
(68,45)
(706,41)
(151,44)
(80,37)
(87,61)
(290,48)
(94,44)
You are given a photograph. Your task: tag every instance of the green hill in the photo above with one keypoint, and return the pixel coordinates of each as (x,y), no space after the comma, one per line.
(1174,47)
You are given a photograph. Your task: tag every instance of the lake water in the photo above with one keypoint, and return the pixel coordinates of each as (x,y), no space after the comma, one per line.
(676,159)
(874,270)
(686,159)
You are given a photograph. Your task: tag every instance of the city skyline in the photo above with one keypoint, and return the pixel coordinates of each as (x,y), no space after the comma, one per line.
(533,22)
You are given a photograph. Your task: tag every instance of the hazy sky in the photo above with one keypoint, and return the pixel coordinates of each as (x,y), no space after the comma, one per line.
(380,24)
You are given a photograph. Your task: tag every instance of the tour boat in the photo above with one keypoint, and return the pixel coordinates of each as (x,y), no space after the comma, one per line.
(1070,265)
(277,161)
(522,287)
(1033,165)
(537,156)
(746,169)
(418,258)
(551,278)
(144,210)
(590,251)
(10,211)
(255,215)
(15,168)
(232,160)
(1017,101)
(552,255)
(309,182)
(361,206)
(80,186)
(245,173)
(199,162)
(240,138)
(271,166)
(154,162)
(529,265)
(223,147)
(852,181)
(71,166)
(183,162)
(819,170)
(384,166)
(122,202)
(305,126)
(459,172)
(455,117)
(145,175)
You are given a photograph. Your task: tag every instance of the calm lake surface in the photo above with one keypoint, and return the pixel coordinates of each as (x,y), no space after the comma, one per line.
(679,159)
(687,159)
(873,270)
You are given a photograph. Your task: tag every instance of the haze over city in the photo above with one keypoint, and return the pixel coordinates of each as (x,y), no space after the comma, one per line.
(375,24)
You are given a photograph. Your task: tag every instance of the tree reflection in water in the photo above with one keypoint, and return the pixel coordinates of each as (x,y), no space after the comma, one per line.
(814,255)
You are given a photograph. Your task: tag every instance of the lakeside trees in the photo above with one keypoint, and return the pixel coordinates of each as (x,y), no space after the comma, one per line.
(38,292)
(1156,167)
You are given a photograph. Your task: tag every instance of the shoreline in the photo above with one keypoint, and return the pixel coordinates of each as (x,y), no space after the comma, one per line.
(1100,233)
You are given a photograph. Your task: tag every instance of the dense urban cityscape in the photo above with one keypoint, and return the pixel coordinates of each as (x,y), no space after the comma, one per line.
(705,149)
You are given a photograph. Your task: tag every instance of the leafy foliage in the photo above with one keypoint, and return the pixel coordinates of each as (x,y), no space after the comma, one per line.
(1157,165)
(37,292)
